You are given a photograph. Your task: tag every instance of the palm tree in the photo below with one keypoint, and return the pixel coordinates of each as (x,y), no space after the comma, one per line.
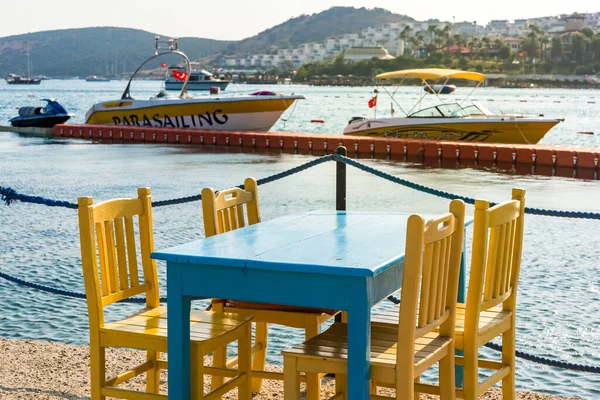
(486,46)
(433,31)
(405,34)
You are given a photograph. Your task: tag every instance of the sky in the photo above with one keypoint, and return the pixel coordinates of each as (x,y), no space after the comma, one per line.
(239,19)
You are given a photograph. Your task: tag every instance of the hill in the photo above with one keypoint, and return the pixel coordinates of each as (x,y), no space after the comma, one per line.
(89,51)
(315,28)
(106,50)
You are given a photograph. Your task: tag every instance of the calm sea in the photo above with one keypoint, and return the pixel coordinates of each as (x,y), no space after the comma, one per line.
(559,292)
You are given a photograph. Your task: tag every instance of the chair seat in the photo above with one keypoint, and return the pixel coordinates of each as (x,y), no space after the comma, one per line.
(249,305)
(491,322)
(150,326)
(333,346)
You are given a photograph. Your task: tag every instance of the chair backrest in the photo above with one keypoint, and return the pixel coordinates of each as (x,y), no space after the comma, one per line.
(109,252)
(496,257)
(224,211)
(430,279)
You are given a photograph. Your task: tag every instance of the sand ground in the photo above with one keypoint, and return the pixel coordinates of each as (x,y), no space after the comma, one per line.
(52,371)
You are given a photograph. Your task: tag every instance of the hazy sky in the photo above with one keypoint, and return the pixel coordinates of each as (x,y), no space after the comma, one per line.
(239,19)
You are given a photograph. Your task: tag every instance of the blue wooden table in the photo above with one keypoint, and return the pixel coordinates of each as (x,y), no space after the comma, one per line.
(325,259)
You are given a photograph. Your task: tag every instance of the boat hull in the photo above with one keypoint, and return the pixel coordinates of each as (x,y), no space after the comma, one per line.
(39,122)
(258,113)
(25,82)
(490,130)
(202,85)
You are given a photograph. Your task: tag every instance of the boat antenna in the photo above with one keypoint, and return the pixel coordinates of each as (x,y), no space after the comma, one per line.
(172,48)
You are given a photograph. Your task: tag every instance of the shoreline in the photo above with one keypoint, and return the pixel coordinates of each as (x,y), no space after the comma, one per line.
(51,371)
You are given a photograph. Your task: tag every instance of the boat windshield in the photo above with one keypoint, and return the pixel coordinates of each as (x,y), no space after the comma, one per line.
(476,109)
(451,110)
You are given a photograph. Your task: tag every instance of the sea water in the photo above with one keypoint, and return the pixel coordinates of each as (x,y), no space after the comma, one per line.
(559,293)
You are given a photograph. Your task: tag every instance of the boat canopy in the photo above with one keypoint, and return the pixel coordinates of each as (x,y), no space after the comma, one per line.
(433,74)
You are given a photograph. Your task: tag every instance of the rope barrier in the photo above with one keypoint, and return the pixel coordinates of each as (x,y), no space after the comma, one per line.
(395,300)
(9,195)
(64,292)
(452,196)
(547,361)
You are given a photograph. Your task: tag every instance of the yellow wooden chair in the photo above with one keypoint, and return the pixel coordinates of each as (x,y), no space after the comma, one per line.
(110,268)
(400,353)
(223,212)
(491,297)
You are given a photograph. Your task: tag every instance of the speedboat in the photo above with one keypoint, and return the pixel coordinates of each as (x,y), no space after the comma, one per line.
(42,117)
(464,120)
(199,80)
(254,112)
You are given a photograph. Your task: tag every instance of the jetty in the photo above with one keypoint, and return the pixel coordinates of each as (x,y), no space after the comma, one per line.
(537,159)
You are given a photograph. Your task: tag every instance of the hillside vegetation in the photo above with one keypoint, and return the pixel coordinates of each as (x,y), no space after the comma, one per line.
(89,51)
(315,28)
(95,51)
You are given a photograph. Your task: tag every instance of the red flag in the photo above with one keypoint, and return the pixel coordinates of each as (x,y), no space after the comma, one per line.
(372,101)
(163,64)
(179,76)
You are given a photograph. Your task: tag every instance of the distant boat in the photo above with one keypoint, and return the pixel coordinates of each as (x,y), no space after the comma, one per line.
(42,117)
(199,80)
(14,79)
(439,89)
(94,78)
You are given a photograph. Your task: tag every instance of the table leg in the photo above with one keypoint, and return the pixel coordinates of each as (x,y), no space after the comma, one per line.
(359,350)
(178,338)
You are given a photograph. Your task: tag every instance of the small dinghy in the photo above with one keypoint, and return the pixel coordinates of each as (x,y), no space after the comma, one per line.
(42,117)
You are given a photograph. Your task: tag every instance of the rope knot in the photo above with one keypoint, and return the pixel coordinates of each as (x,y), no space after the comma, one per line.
(8,195)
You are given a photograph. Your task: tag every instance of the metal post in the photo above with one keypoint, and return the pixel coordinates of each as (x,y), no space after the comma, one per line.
(340,181)
(340,191)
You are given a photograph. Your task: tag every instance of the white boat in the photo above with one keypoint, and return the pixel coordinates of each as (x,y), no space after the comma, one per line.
(464,121)
(199,80)
(254,112)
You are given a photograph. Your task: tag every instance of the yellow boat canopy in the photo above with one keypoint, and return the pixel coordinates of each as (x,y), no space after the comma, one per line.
(433,74)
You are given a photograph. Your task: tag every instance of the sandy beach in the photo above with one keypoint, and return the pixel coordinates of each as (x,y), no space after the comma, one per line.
(51,371)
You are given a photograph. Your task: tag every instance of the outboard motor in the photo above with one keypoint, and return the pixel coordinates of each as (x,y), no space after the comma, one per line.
(356,119)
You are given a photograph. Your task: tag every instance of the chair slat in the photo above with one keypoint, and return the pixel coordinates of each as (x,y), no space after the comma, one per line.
(104,270)
(131,252)
(498,268)
(121,254)
(425,286)
(506,279)
(111,256)
(240,216)
(442,276)
(433,291)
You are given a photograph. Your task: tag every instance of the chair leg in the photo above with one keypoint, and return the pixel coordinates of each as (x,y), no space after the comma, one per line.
(470,372)
(508,358)
(313,382)
(260,357)
(417,393)
(291,384)
(341,385)
(373,389)
(219,355)
(153,374)
(97,370)
(219,360)
(197,372)
(245,363)
(446,371)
